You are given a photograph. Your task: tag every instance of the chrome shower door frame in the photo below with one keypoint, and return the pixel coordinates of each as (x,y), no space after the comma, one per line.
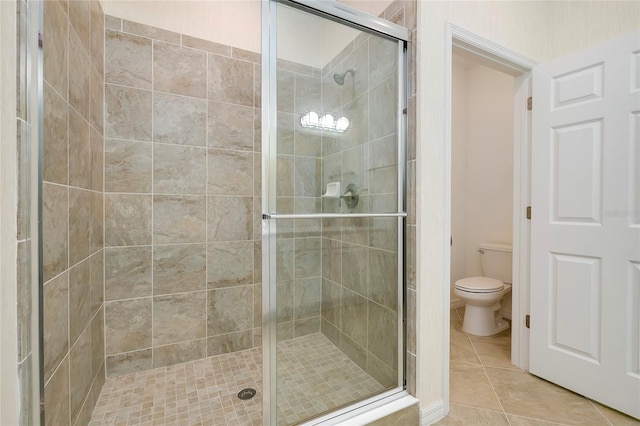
(375,25)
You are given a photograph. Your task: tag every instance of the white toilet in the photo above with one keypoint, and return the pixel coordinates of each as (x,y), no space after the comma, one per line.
(482,295)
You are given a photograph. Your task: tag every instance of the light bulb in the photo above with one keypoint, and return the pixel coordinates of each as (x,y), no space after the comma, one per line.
(342,124)
(327,121)
(313,118)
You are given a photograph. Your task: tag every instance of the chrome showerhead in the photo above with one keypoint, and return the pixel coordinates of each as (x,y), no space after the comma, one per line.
(339,78)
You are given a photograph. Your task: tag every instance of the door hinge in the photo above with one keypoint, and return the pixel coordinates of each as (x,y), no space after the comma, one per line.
(529,212)
(527,321)
(529,103)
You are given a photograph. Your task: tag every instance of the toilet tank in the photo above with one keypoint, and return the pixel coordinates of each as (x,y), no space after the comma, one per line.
(496,261)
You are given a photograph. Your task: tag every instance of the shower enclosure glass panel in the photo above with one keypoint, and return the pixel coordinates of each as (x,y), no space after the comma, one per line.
(337,307)
(333,215)
(337,117)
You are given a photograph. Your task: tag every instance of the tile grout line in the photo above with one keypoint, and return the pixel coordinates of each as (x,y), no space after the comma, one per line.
(508,369)
(484,370)
(477,408)
(245,361)
(253,198)
(68,193)
(599,412)
(103,215)
(541,420)
(206,209)
(153,149)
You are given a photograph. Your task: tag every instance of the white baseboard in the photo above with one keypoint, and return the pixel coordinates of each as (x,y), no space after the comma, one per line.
(432,413)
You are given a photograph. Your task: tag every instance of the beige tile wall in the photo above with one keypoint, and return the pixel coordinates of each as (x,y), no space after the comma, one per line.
(25,285)
(359,293)
(182,249)
(73,209)
(299,165)
(403,12)
(137,162)
(182,176)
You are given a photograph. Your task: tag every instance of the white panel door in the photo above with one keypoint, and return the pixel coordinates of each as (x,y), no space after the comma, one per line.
(585,229)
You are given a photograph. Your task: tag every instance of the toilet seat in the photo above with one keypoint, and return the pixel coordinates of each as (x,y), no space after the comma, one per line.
(479,285)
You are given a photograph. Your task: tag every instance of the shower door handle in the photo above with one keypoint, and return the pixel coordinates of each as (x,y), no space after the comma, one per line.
(330,215)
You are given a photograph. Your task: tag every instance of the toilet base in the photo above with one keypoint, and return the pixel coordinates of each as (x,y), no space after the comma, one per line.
(483,321)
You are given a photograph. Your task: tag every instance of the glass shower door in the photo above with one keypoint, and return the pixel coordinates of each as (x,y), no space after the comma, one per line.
(333,214)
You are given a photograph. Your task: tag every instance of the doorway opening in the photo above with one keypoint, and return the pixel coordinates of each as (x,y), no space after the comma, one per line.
(482,146)
(543,165)
(481,167)
(502,67)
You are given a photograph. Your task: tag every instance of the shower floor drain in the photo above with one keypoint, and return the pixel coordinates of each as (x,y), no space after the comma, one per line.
(247,393)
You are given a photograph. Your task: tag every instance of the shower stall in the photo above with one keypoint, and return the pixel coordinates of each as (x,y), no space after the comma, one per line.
(224,231)
(333,209)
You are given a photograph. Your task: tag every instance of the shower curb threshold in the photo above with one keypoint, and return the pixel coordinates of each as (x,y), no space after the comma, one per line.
(370,412)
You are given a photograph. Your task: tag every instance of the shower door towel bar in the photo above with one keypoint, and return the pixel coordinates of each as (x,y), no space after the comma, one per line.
(331,215)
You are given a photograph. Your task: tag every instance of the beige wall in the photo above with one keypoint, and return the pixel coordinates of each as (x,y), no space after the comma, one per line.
(312,40)
(575,25)
(482,164)
(458,169)
(489,186)
(529,29)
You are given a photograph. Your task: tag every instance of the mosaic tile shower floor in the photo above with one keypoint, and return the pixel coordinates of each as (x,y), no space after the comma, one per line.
(313,376)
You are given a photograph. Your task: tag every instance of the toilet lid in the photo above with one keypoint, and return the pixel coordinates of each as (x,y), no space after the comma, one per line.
(480,284)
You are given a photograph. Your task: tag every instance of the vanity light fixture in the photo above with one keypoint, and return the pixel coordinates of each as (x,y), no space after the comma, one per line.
(324,121)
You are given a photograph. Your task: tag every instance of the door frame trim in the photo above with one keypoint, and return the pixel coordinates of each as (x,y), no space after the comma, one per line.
(520,67)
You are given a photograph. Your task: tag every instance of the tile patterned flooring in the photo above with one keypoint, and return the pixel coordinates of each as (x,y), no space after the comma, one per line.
(314,376)
(486,389)
(203,392)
